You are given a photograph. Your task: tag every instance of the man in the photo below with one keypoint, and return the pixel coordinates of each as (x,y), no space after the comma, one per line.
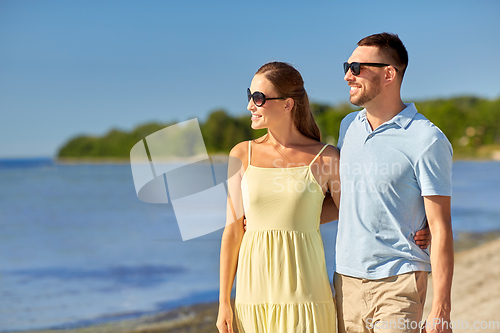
(395,170)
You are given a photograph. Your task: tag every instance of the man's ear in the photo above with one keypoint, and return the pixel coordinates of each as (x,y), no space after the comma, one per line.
(390,74)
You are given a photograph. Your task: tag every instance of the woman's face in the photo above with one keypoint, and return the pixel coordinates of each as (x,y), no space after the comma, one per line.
(272,112)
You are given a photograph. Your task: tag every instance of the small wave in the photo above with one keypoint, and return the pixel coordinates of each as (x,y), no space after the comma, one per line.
(22,163)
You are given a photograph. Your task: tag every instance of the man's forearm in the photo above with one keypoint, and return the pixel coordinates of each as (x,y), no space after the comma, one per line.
(329,212)
(438,211)
(442,261)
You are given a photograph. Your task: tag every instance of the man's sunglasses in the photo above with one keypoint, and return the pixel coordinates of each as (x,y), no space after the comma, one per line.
(259,98)
(356,66)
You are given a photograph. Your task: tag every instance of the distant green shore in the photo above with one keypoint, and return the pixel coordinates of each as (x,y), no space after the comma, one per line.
(471,124)
(489,153)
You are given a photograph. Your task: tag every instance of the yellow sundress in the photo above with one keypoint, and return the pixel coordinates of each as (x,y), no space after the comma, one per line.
(282,283)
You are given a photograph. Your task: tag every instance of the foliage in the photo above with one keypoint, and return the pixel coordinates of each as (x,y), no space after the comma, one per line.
(468,122)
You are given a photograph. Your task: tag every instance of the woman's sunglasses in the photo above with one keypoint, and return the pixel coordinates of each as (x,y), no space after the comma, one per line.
(259,98)
(356,66)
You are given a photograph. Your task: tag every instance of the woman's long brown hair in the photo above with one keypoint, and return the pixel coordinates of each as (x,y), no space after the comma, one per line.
(289,84)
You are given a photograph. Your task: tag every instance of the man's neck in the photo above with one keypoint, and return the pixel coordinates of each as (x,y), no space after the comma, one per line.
(377,115)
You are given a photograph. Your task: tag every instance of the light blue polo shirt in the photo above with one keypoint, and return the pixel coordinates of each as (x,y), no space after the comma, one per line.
(384,176)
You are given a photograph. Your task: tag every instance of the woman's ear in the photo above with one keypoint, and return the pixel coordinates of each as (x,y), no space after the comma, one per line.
(289,103)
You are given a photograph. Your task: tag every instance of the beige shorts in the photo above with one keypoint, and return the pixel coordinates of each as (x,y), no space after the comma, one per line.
(393,304)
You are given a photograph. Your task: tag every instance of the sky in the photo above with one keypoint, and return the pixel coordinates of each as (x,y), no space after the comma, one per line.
(83,67)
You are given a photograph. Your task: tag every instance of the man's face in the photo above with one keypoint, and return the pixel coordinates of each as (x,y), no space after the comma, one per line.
(366,86)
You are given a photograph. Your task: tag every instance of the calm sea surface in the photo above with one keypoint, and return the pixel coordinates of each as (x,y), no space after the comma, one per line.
(78,247)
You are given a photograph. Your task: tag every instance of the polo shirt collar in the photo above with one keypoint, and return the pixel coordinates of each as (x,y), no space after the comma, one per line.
(402,119)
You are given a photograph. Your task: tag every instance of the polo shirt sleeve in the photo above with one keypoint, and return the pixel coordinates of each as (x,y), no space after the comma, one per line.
(433,169)
(344,125)
(341,136)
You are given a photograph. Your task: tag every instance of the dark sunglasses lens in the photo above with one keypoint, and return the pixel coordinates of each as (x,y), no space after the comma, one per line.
(249,95)
(346,67)
(355,66)
(258,98)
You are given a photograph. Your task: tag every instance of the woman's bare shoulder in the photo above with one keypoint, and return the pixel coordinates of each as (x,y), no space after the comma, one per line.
(240,150)
(238,157)
(331,154)
(331,151)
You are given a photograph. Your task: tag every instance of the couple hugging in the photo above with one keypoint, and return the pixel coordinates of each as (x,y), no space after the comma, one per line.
(388,177)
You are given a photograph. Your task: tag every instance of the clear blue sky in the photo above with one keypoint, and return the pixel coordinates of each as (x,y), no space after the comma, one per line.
(84,67)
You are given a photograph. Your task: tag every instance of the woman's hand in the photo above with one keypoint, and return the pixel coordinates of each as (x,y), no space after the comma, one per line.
(225,319)
(244,223)
(423,238)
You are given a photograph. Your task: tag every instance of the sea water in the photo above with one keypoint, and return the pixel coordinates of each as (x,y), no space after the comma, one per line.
(77,247)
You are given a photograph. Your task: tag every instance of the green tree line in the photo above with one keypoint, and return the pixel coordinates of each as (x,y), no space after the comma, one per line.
(470,123)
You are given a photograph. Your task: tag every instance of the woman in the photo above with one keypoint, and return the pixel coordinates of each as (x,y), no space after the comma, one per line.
(282,283)
(279,184)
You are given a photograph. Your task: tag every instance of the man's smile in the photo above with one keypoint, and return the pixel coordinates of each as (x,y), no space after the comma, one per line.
(354,89)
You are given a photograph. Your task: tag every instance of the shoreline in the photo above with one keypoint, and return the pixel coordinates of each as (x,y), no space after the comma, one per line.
(467,240)
(214,158)
(489,153)
(201,317)
(485,153)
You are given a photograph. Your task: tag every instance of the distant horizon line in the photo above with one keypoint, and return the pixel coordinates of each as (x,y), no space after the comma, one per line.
(34,157)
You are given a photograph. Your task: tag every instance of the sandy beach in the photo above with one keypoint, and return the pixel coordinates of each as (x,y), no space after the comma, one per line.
(476,289)
(475,298)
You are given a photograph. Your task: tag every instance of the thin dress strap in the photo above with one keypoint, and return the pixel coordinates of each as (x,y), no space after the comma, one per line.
(318,154)
(249,150)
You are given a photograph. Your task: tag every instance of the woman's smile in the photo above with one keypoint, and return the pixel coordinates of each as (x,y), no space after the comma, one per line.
(256,116)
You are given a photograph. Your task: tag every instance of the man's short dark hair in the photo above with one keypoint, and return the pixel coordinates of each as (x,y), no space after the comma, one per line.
(392,46)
